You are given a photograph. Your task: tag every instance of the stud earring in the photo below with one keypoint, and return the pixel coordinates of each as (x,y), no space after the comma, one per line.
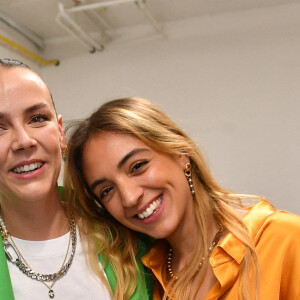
(188,175)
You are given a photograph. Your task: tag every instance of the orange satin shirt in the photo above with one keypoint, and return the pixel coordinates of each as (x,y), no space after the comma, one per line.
(276,236)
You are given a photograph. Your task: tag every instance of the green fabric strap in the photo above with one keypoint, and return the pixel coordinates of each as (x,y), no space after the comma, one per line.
(144,287)
(6,291)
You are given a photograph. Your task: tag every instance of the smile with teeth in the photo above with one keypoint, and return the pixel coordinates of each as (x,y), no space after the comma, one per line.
(28,168)
(151,209)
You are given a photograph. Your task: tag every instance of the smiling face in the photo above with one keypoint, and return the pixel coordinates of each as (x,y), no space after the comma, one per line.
(31,137)
(143,189)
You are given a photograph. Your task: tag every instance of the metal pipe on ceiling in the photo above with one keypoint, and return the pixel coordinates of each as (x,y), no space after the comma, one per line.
(28,53)
(142,6)
(102,4)
(73,28)
(25,32)
(98,20)
(65,20)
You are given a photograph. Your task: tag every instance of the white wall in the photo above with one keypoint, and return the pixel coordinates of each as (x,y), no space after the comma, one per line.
(231,81)
(7,51)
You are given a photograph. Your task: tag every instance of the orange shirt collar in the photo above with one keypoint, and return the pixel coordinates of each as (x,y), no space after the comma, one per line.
(226,258)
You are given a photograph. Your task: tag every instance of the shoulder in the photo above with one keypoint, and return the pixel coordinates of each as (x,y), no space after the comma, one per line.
(284,221)
(282,226)
(263,217)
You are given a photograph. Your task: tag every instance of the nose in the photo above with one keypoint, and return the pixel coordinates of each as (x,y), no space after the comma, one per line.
(131,192)
(22,139)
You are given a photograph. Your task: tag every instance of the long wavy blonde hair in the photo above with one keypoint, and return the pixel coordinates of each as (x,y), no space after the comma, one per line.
(142,119)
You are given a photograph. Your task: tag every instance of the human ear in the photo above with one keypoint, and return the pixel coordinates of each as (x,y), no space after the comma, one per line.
(183,160)
(62,137)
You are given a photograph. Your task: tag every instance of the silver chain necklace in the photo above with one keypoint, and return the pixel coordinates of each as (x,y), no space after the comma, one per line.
(22,264)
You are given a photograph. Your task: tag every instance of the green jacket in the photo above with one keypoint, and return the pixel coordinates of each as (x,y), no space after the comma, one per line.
(142,292)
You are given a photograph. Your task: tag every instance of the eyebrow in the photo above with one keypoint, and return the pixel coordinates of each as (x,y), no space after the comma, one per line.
(96,183)
(35,107)
(28,110)
(130,154)
(119,166)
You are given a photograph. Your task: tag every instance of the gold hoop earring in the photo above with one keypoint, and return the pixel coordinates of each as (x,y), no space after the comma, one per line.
(188,175)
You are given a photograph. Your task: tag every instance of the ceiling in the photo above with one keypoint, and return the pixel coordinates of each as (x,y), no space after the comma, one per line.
(39,15)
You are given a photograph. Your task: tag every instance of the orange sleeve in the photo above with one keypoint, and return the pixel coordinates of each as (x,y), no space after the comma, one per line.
(290,277)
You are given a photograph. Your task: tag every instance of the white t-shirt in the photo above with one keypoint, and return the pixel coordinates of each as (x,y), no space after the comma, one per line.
(46,257)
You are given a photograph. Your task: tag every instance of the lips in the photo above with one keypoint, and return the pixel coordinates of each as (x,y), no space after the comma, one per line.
(151,209)
(27,168)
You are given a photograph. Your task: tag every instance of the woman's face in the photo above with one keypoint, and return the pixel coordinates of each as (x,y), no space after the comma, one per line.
(31,138)
(143,189)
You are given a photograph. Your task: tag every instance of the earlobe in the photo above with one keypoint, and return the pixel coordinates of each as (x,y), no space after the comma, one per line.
(183,160)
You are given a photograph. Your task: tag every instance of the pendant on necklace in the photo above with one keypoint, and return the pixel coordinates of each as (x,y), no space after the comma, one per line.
(51,294)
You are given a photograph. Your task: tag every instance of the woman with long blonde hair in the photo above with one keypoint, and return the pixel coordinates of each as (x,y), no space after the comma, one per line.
(134,170)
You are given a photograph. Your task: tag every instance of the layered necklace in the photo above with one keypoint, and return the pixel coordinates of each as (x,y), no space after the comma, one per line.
(215,241)
(14,255)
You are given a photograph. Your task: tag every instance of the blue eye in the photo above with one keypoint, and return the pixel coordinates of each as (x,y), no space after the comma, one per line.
(105,193)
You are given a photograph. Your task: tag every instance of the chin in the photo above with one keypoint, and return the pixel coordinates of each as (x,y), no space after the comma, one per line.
(158,235)
(34,192)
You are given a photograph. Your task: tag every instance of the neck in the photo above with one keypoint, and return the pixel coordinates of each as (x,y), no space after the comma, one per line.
(183,244)
(183,240)
(39,220)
